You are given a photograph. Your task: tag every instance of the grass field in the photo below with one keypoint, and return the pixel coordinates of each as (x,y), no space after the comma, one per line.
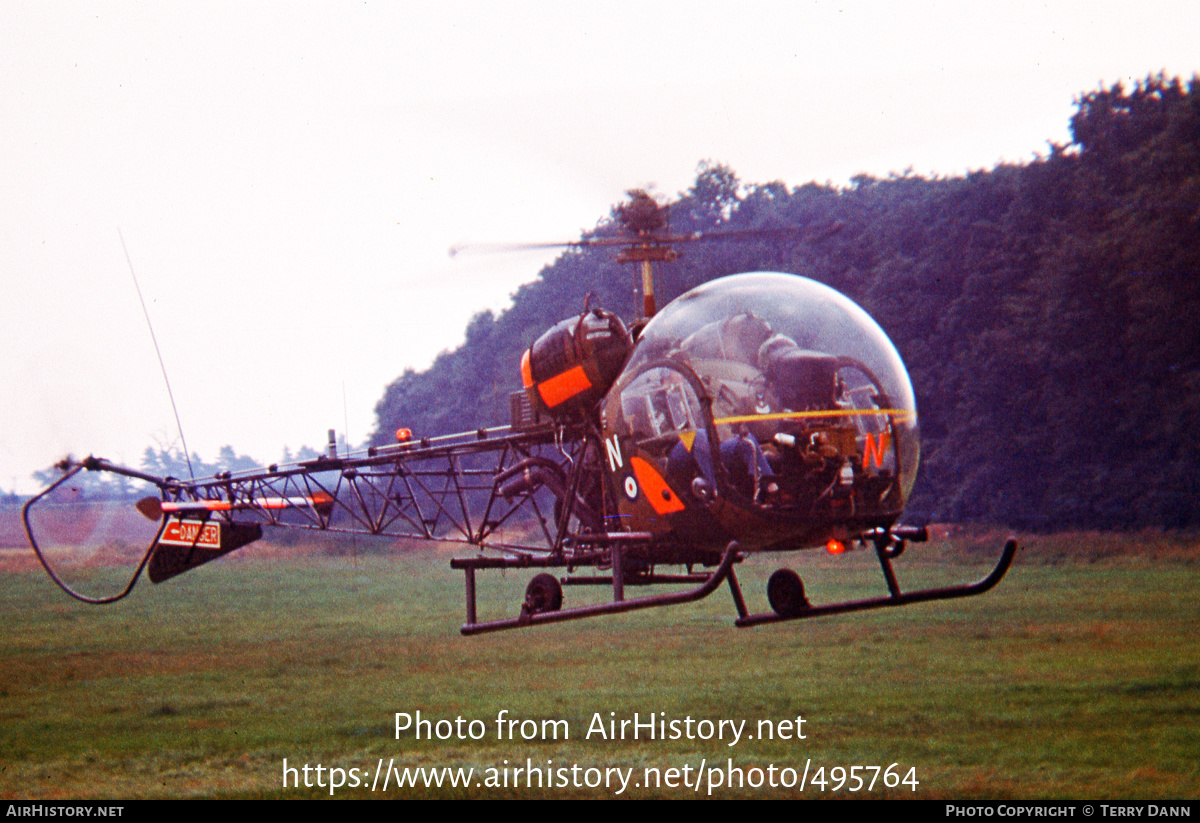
(1078,677)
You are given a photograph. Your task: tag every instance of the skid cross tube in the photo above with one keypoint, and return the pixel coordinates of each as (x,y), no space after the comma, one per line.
(895,596)
(713,580)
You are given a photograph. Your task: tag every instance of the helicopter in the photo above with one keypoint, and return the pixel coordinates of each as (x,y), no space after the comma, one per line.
(760,412)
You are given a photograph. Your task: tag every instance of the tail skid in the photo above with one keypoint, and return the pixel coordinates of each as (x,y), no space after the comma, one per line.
(70,470)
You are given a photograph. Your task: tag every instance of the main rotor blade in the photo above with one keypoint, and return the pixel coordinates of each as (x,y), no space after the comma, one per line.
(814,233)
(497,248)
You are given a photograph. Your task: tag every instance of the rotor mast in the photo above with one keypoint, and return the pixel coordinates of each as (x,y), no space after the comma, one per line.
(644,217)
(646,252)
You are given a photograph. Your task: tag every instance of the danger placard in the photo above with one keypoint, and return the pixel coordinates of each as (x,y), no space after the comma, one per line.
(191,533)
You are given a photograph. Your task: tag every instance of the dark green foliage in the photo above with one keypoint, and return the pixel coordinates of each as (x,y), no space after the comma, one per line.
(1049,313)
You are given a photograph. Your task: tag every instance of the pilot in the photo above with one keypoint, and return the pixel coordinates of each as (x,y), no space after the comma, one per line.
(746,467)
(729,349)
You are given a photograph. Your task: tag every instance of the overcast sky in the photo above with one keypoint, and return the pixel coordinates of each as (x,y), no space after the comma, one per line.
(288,177)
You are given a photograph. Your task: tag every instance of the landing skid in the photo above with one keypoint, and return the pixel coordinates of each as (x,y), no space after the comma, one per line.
(708,583)
(786,592)
(894,598)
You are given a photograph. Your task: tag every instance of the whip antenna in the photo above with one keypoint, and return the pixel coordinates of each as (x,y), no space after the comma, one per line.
(186,455)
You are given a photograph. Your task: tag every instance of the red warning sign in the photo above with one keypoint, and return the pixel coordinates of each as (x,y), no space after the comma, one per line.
(190,533)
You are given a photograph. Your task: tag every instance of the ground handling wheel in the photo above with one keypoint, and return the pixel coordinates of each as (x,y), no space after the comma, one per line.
(785,593)
(543,594)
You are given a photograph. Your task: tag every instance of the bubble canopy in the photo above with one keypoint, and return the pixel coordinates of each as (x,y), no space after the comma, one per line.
(797,370)
(815,316)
